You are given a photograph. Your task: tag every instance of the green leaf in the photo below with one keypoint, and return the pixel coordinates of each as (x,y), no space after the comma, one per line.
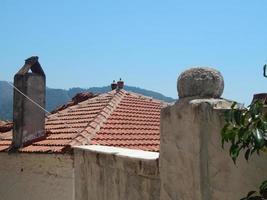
(250,193)
(258,138)
(244,119)
(233,105)
(227,116)
(234,152)
(224,134)
(247,154)
(237,116)
(255,198)
(263,189)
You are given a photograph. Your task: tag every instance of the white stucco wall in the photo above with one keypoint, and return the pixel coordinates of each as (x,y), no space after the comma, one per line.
(36,176)
(193,166)
(108,173)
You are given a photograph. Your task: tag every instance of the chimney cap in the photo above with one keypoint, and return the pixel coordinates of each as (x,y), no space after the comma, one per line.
(32,64)
(31,60)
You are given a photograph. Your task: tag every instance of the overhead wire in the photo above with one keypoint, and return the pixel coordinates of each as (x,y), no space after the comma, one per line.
(38,105)
(27,97)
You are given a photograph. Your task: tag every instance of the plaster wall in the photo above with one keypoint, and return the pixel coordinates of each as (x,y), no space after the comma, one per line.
(109,175)
(36,176)
(193,166)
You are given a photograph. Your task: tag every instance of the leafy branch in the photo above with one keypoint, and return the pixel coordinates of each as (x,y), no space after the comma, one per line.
(246,130)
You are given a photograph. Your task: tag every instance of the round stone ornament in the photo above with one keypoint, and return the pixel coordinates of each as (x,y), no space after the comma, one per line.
(202,82)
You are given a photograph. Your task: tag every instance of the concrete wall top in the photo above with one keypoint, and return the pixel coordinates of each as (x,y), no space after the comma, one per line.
(121,152)
(111,173)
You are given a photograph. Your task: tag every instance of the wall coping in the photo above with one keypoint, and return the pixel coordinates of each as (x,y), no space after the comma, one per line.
(120,152)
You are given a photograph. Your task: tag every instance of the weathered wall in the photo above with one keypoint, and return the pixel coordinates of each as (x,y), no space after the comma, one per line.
(110,174)
(193,166)
(36,176)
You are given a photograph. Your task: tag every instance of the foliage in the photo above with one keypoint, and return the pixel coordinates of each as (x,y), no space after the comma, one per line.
(252,195)
(246,129)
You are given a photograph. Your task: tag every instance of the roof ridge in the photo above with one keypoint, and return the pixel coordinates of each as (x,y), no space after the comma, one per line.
(153,99)
(94,126)
(138,94)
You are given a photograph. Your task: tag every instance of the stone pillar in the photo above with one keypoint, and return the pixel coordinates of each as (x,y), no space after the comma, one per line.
(29,119)
(193,166)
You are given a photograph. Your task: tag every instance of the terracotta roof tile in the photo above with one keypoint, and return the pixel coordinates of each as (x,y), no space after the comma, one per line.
(48,142)
(4,148)
(5,126)
(134,124)
(6,135)
(5,142)
(75,100)
(122,119)
(62,136)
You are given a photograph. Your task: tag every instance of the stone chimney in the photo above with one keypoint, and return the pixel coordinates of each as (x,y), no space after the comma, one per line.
(113,85)
(29,119)
(120,84)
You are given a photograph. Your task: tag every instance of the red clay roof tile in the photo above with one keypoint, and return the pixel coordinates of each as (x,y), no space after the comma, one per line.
(122,119)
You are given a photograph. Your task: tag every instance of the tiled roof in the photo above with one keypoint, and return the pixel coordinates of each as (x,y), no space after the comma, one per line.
(121,119)
(5,126)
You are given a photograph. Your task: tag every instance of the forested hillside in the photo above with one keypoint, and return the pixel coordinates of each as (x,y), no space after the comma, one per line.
(56,97)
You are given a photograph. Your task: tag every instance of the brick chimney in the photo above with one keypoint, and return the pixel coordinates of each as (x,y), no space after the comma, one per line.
(29,119)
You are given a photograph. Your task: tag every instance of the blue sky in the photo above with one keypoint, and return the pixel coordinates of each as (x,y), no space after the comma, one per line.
(147,43)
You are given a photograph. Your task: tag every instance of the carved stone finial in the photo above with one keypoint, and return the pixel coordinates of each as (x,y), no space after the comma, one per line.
(200,82)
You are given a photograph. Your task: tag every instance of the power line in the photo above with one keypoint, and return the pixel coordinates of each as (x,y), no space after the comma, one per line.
(38,105)
(27,97)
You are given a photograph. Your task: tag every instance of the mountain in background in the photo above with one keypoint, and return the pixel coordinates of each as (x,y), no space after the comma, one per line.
(57,97)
